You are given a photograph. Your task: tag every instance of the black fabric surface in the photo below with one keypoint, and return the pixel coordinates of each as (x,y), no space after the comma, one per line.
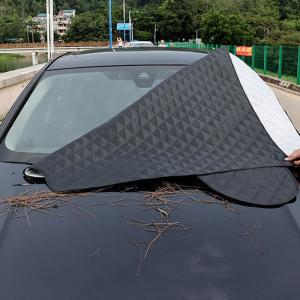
(197,122)
(263,186)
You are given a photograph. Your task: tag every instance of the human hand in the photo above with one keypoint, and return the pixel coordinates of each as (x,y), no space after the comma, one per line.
(294,157)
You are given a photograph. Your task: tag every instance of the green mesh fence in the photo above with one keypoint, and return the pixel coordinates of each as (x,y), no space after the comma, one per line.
(289,61)
(273,60)
(259,59)
(282,62)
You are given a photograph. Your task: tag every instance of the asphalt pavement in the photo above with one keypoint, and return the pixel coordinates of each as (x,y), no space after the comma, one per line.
(290,102)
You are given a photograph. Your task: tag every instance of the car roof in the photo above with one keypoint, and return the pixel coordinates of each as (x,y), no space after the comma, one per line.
(127,57)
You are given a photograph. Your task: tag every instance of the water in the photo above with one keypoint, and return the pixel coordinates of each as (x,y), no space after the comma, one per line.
(9,62)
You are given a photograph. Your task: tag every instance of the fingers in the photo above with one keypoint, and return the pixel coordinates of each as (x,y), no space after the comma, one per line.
(295,156)
(297,163)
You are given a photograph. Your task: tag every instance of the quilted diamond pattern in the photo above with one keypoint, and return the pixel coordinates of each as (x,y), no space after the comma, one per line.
(263,186)
(198,121)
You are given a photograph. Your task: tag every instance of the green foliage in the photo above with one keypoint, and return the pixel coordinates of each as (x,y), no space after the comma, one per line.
(264,28)
(217,21)
(11,27)
(220,28)
(143,35)
(87,27)
(176,20)
(144,19)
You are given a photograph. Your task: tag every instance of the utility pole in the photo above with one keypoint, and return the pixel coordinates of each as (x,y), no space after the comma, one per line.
(155,30)
(124,20)
(51,29)
(110,23)
(27,27)
(130,31)
(32,34)
(48,29)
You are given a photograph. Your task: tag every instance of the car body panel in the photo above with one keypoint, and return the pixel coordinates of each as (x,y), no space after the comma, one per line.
(88,253)
(87,248)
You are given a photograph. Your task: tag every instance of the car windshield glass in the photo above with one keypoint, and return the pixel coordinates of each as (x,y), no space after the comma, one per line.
(67,104)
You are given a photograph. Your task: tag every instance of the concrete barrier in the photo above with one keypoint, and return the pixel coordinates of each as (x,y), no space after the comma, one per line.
(11,85)
(281,83)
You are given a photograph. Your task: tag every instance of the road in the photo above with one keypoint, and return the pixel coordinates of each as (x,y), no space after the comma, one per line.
(291,104)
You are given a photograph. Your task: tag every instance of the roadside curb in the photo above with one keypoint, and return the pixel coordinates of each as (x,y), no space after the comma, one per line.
(284,85)
(11,85)
(13,77)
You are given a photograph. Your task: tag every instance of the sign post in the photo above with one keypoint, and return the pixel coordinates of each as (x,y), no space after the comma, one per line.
(124,20)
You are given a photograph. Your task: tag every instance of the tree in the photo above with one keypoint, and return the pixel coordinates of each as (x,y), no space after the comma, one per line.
(217,21)
(144,22)
(87,27)
(282,9)
(11,27)
(32,30)
(176,21)
(264,28)
(218,28)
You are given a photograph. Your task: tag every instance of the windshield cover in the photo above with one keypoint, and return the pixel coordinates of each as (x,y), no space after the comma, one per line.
(197,122)
(69,103)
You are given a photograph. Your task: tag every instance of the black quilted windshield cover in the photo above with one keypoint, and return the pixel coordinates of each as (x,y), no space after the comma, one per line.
(197,122)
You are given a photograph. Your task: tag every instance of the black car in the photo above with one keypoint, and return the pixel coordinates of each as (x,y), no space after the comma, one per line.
(157,239)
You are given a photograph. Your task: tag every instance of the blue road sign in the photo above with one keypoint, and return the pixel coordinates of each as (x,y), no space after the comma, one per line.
(123,26)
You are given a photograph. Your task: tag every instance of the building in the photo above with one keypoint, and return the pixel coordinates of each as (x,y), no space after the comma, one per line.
(61,22)
(41,21)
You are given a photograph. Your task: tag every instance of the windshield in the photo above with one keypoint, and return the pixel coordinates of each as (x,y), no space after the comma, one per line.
(67,104)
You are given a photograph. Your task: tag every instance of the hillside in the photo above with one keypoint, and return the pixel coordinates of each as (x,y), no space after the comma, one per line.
(215,21)
(25,8)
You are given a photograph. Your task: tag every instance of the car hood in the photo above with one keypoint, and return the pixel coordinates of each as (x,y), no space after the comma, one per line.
(91,247)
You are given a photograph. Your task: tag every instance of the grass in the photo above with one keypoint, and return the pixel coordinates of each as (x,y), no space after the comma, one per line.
(284,77)
(9,56)
(10,61)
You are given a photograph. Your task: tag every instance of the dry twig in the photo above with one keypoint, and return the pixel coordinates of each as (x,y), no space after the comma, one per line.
(41,201)
(251,232)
